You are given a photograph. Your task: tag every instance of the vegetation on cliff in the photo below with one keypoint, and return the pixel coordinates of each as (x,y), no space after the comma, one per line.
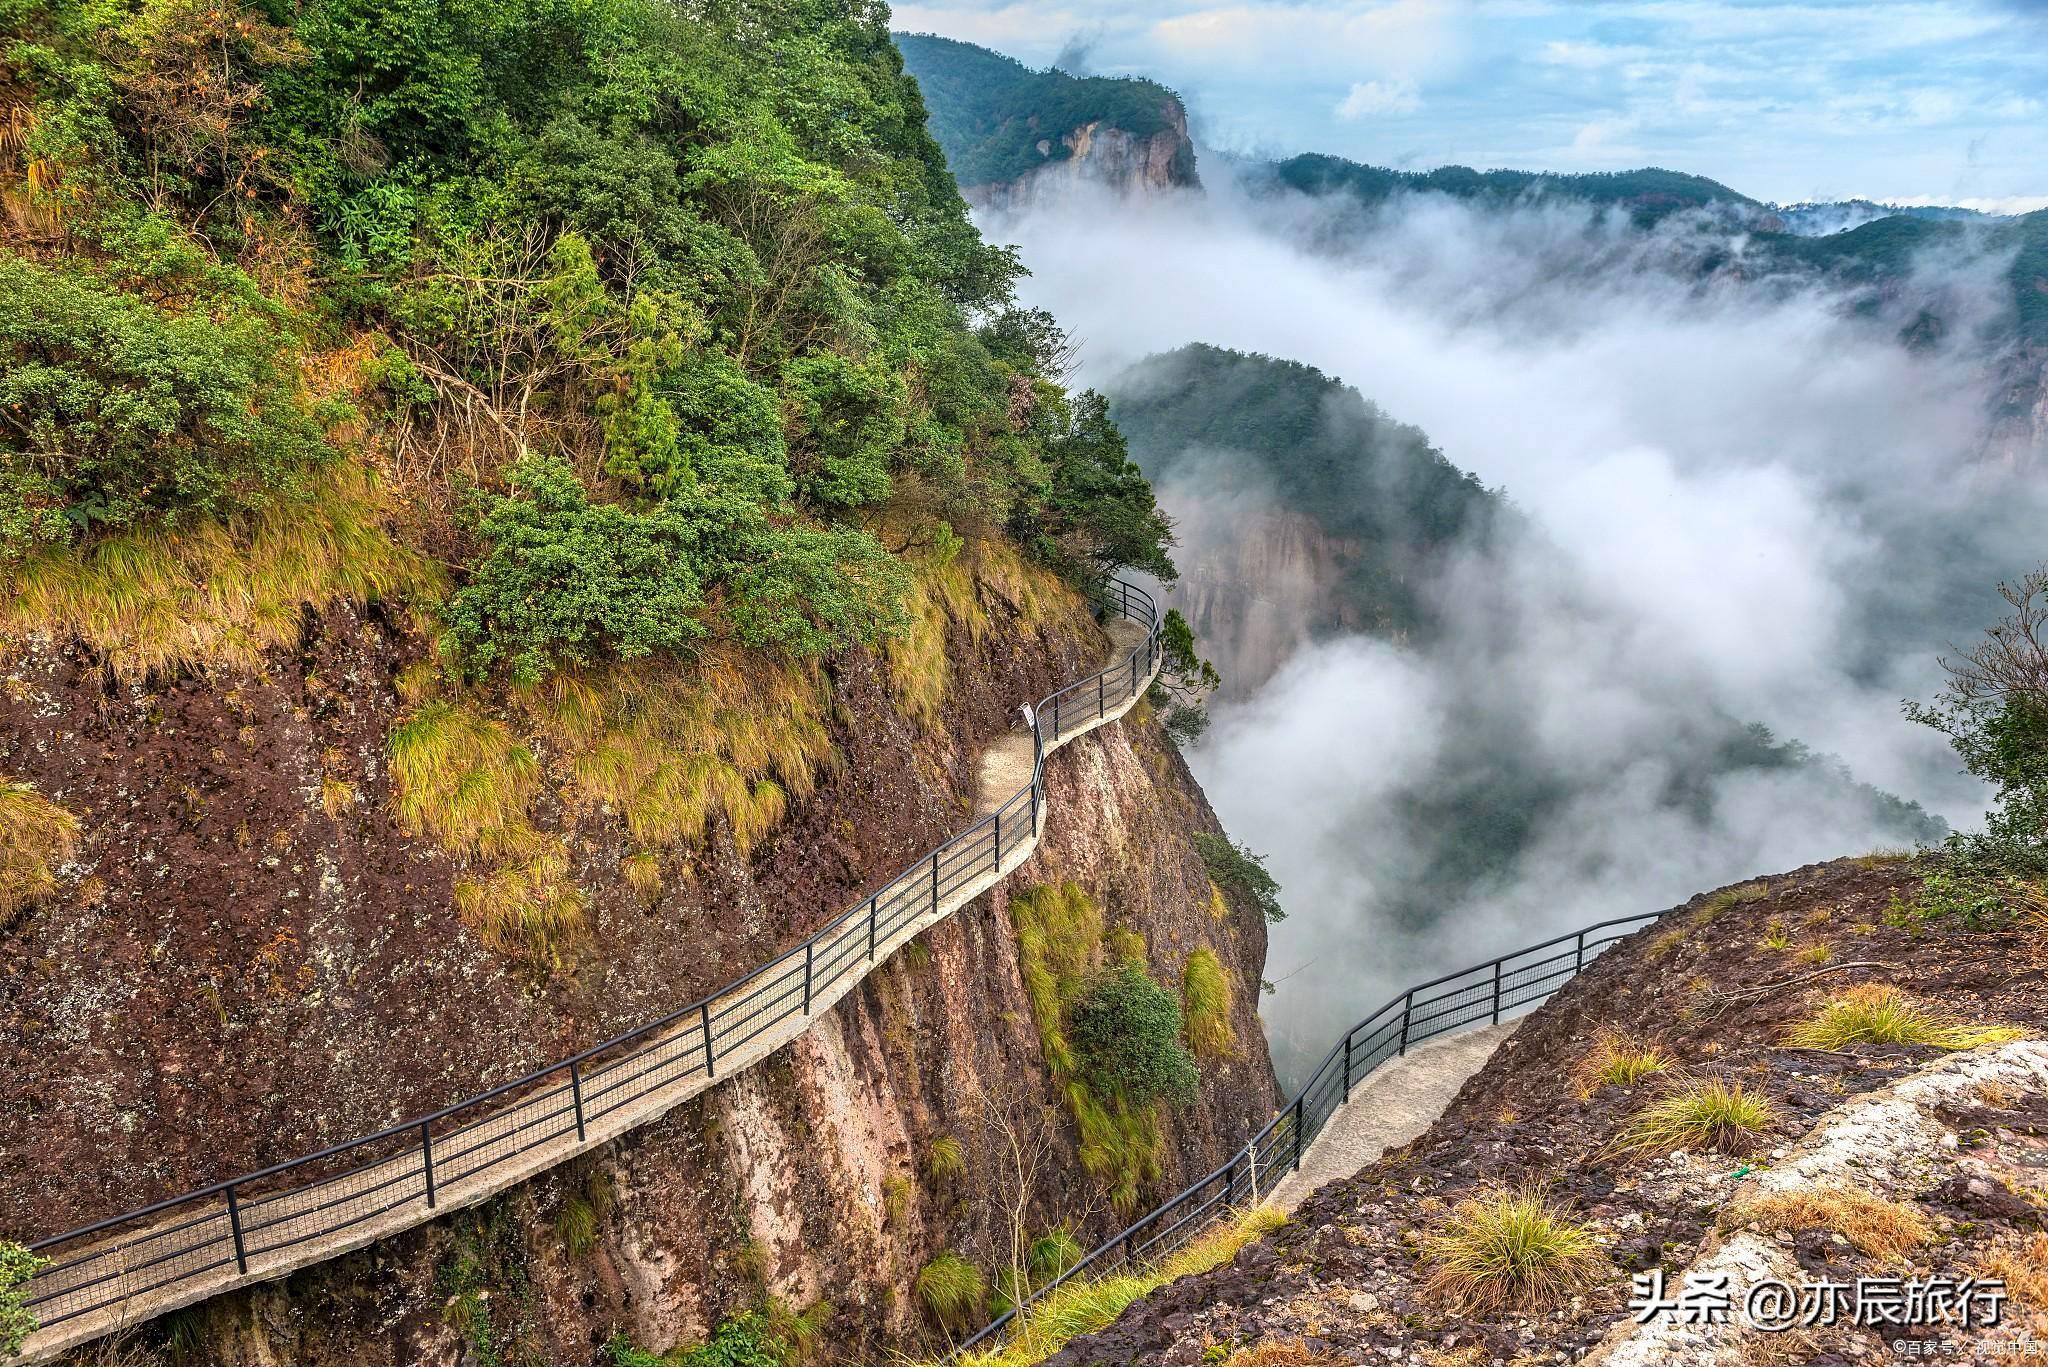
(688,299)
(598,336)
(997,119)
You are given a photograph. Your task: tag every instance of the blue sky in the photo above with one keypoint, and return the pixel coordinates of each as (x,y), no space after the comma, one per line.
(1898,99)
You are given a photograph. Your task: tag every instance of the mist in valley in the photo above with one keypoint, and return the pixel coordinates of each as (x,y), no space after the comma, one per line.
(1736,498)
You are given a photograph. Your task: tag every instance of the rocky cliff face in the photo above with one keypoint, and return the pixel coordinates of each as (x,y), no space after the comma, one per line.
(241,963)
(1104,156)
(1258,582)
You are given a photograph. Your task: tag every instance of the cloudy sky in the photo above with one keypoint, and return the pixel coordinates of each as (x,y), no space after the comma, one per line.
(1904,100)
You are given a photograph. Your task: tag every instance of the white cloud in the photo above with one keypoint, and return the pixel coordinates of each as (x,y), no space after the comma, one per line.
(1369,98)
(1687,456)
(1409,40)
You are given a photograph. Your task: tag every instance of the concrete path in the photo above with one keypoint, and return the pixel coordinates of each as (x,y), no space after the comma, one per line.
(1394,1103)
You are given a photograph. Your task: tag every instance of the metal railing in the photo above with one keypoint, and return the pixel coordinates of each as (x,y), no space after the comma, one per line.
(1471,996)
(151,1260)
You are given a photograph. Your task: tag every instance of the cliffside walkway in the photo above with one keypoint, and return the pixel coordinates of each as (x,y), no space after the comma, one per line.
(134,1267)
(1381,1084)
(1396,1102)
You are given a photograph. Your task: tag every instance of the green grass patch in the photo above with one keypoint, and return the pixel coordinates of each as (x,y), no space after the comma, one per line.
(945,1160)
(1876,1013)
(1205,999)
(1700,1115)
(952,1289)
(1085,1305)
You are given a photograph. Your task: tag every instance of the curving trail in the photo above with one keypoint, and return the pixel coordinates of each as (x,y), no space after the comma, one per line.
(1390,1106)
(138,1266)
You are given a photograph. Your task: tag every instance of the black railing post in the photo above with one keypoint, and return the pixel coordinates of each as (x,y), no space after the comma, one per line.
(1347,1067)
(935,880)
(810,946)
(1134,673)
(1124,592)
(1407,1009)
(427,1157)
(998,865)
(1034,802)
(1101,695)
(576,1090)
(235,1228)
(1496,991)
(1579,966)
(710,1060)
(1297,1129)
(1056,718)
(875,908)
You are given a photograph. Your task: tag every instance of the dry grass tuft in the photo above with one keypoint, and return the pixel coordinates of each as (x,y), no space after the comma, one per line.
(2023,1266)
(642,872)
(1816,953)
(1739,895)
(1883,1229)
(36,835)
(1883,856)
(1877,1013)
(154,601)
(530,908)
(743,735)
(1508,1250)
(1615,1060)
(1205,996)
(463,779)
(1708,1114)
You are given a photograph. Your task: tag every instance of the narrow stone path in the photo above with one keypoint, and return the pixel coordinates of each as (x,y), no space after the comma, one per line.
(1394,1103)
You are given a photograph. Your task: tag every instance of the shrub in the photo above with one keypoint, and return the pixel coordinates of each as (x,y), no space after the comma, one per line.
(1508,1250)
(1876,1013)
(747,1340)
(1206,998)
(122,412)
(565,580)
(1995,715)
(1710,1114)
(952,1288)
(944,1159)
(1236,868)
(1617,1061)
(36,835)
(1126,1032)
(1883,1229)
(1775,937)
(17,1322)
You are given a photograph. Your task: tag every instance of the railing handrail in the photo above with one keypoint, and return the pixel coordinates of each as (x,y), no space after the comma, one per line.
(1130,601)
(1293,1108)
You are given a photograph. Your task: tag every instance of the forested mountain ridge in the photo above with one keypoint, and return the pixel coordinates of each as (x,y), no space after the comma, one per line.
(510,514)
(1003,125)
(1282,435)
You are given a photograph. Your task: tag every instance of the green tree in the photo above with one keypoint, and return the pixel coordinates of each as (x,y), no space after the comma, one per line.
(1995,714)
(1235,867)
